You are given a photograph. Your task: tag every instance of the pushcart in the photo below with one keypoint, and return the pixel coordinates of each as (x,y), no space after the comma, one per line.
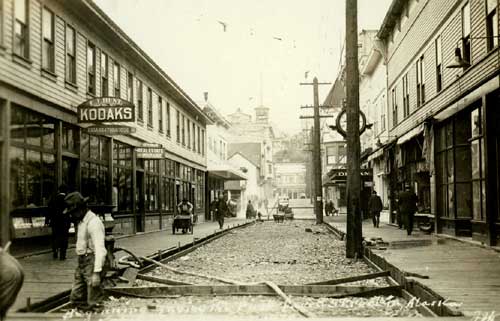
(184,222)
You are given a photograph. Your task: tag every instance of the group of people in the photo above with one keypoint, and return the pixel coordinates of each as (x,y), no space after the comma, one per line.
(330,209)
(87,291)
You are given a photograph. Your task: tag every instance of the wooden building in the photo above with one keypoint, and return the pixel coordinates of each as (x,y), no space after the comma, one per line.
(55,55)
(443,66)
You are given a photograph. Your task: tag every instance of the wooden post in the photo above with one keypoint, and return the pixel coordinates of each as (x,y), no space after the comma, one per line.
(5,172)
(318,197)
(354,246)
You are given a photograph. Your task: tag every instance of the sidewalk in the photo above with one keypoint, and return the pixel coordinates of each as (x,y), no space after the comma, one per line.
(45,277)
(458,271)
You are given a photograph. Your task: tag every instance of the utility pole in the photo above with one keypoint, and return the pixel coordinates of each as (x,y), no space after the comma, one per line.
(316,152)
(354,245)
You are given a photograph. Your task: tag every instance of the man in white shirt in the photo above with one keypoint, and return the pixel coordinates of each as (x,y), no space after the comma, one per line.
(87,287)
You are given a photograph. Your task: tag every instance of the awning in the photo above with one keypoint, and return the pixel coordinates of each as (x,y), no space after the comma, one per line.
(376,154)
(411,134)
(227,173)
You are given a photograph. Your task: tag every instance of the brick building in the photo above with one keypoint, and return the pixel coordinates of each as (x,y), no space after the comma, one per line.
(55,55)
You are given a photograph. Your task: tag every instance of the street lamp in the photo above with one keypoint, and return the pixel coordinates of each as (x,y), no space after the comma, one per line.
(459,62)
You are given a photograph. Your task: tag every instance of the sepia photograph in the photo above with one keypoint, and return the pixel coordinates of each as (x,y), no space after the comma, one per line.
(249,160)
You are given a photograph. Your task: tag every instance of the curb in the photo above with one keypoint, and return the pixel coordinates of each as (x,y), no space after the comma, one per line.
(469,242)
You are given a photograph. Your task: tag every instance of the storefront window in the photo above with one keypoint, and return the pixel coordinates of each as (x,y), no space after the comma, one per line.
(152,171)
(122,185)
(477,166)
(94,168)
(70,140)
(456,167)
(32,157)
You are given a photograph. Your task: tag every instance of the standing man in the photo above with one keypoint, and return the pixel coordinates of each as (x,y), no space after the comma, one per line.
(185,208)
(408,207)
(87,290)
(60,223)
(213,208)
(222,210)
(11,280)
(250,213)
(375,207)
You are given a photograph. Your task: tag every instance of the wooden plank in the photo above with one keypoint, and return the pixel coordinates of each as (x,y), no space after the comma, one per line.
(160,280)
(353,278)
(257,289)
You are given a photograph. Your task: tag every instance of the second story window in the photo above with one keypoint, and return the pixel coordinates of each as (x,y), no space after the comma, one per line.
(160,114)
(183,130)
(104,74)
(420,81)
(491,24)
(466,46)
(139,93)
(21,28)
(439,65)
(116,79)
(178,126)
(394,107)
(48,40)
(382,112)
(91,68)
(406,97)
(130,87)
(150,108)
(194,137)
(70,55)
(199,138)
(203,142)
(188,126)
(168,119)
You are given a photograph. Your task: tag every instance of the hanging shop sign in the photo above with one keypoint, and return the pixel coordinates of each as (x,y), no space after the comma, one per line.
(149,151)
(106,109)
(110,130)
(341,174)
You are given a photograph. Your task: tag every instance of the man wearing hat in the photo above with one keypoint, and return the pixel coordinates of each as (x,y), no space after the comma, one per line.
(87,290)
(408,207)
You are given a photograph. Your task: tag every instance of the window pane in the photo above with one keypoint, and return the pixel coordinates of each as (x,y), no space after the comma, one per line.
(48,128)
(451,200)
(85,141)
(94,147)
(17,175)
(48,176)
(475,159)
(466,20)
(20,10)
(48,24)
(90,58)
(33,178)
(17,128)
(491,5)
(463,164)
(70,40)
(464,200)
(450,166)
(476,200)
(33,129)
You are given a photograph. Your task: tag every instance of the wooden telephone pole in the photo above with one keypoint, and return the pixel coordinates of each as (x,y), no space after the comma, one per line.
(354,245)
(316,153)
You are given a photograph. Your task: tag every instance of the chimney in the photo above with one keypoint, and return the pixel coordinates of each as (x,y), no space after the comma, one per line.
(206,95)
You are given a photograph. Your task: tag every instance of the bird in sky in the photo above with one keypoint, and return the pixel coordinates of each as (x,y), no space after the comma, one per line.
(224,25)
(278,38)
(306,74)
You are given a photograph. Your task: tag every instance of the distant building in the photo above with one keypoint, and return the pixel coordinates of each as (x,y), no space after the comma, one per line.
(290,180)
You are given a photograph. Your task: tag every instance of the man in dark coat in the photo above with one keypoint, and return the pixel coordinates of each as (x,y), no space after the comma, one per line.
(250,213)
(375,207)
(408,207)
(60,223)
(222,210)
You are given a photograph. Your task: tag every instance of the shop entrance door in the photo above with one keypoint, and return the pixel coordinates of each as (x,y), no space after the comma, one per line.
(69,168)
(139,202)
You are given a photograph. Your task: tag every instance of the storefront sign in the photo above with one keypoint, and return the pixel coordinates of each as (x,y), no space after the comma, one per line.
(110,130)
(106,109)
(341,174)
(150,152)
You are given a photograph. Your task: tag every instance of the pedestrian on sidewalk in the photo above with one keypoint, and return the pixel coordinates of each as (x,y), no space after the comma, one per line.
(408,207)
(87,292)
(375,206)
(11,280)
(59,222)
(185,208)
(222,210)
(213,208)
(328,208)
(250,213)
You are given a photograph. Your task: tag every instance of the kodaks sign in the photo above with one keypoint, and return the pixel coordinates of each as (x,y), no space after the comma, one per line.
(106,109)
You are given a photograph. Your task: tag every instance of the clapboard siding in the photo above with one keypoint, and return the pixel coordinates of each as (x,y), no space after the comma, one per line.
(31,79)
(435,18)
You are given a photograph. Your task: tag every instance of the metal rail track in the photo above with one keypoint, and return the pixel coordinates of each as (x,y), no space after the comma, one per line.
(61,300)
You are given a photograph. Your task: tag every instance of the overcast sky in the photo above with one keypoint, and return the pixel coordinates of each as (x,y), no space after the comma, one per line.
(273,40)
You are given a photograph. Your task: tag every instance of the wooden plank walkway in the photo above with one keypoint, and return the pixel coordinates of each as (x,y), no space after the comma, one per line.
(462,272)
(45,277)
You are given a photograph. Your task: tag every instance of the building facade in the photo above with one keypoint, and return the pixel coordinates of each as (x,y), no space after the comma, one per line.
(443,81)
(290,179)
(55,55)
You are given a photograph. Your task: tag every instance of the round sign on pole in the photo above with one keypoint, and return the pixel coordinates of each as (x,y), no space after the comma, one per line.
(341,122)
